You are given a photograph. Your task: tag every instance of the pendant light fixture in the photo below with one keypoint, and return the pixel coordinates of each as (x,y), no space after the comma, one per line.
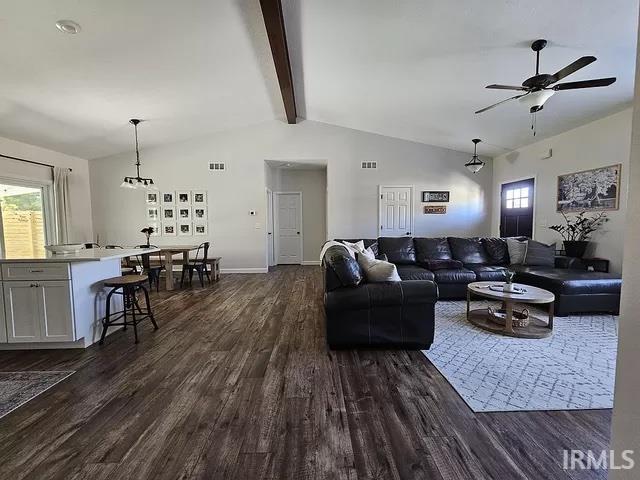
(475,164)
(137,181)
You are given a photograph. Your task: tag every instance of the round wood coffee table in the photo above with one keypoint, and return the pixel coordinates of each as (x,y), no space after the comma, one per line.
(504,323)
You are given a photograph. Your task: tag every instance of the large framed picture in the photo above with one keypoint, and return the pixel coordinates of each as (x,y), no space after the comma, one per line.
(590,190)
(437,196)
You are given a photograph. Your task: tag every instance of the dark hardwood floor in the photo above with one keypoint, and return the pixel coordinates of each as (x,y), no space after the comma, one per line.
(238,384)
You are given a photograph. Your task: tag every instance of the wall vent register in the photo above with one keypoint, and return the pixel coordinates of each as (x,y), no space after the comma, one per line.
(369,165)
(217,166)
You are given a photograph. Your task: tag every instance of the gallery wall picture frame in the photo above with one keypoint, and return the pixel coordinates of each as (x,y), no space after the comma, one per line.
(185,229)
(168,198)
(199,197)
(183,197)
(152,198)
(153,213)
(184,213)
(200,229)
(435,209)
(169,214)
(156,229)
(596,189)
(169,229)
(200,214)
(435,196)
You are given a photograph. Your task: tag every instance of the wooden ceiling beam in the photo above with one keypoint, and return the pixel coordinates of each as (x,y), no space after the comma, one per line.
(274,22)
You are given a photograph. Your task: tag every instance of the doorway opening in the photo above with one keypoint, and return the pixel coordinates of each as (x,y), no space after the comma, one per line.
(296,195)
(516,208)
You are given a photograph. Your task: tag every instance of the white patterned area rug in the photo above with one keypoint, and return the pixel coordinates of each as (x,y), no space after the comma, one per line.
(573,369)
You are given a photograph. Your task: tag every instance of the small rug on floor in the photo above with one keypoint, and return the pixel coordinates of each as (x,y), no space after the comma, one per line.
(17,388)
(573,369)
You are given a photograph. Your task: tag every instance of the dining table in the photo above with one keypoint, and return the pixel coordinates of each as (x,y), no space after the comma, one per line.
(169,251)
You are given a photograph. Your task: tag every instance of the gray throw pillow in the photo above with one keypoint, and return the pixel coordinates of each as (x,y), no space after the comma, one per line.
(517,251)
(540,254)
(378,270)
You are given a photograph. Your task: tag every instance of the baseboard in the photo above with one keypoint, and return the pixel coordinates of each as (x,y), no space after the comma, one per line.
(244,270)
(311,262)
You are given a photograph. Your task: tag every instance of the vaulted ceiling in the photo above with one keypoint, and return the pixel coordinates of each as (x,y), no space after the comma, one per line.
(413,69)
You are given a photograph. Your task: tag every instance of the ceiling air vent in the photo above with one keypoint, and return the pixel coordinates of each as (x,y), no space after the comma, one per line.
(369,165)
(217,166)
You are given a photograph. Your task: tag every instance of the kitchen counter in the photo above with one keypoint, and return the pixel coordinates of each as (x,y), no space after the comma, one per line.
(58,301)
(85,255)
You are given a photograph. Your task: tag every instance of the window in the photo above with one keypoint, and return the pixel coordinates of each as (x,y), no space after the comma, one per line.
(24,213)
(517,198)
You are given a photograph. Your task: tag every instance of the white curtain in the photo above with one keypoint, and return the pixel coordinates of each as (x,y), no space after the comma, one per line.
(62,204)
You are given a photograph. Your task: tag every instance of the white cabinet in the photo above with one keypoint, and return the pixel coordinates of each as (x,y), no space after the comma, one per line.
(39,311)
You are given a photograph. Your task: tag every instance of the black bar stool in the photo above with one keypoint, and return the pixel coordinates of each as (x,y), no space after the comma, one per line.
(130,284)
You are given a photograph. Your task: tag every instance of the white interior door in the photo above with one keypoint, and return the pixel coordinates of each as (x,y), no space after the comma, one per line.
(270,230)
(396,211)
(289,228)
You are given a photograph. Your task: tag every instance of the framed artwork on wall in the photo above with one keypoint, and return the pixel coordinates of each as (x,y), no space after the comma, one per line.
(156,228)
(153,213)
(200,229)
(199,197)
(169,229)
(184,229)
(435,196)
(200,213)
(184,213)
(168,198)
(169,214)
(435,209)
(152,198)
(183,197)
(589,190)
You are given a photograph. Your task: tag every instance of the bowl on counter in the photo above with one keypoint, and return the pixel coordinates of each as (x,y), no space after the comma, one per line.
(65,248)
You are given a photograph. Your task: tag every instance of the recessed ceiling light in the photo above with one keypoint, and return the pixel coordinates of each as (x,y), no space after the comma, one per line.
(68,26)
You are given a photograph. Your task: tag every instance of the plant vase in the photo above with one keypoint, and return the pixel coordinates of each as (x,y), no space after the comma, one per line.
(509,287)
(575,248)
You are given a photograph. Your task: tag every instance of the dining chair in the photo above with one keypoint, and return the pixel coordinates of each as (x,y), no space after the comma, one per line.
(127,266)
(198,264)
(152,271)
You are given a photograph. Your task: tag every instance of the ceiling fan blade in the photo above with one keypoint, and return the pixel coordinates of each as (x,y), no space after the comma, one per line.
(596,82)
(573,67)
(501,102)
(505,87)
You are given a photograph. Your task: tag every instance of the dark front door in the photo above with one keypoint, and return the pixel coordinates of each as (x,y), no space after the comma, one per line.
(516,209)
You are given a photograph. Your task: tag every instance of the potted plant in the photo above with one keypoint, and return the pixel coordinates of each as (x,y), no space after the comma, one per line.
(576,232)
(509,287)
(148,231)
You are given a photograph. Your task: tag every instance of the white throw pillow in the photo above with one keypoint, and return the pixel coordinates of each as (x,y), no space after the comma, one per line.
(517,250)
(354,247)
(378,270)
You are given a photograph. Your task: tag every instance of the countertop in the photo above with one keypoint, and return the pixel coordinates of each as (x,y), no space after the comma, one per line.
(86,255)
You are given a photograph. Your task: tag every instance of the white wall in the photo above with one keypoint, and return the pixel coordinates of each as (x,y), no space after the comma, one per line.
(81,219)
(625,433)
(597,144)
(352,192)
(313,185)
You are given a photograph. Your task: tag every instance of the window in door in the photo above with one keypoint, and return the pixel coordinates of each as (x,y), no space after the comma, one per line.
(518,198)
(23,226)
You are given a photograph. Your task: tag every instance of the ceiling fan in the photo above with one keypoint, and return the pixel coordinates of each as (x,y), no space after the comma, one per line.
(539,88)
